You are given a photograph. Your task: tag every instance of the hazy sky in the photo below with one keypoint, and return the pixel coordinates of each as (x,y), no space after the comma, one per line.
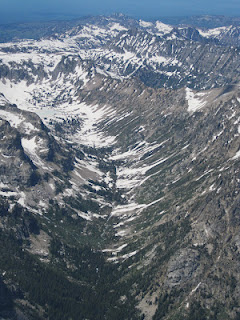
(12,10)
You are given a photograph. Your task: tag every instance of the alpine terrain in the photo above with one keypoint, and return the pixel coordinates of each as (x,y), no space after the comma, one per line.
(119,170)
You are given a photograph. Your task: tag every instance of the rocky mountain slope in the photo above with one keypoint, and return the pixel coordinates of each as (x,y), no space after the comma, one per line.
(119,183)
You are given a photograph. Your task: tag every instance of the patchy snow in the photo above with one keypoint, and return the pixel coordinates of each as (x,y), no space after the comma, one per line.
(163,28)
(212,187)
(126,209)
(90,115)
(89,166)
(22,199)
(131,176)
(215,32)
(237,121)
(196,288)
(28,127)
(17,120)
(237,155)
(145,24)
(114,259)
(195,100)
(121,233)
(30,145)
(3,100)
(129,255)
(3,185)
(89,134)
(117,257)
(159,59)
(50,100)
(42,204)
(107,179)
(13,118)
(204,174)
(154,202)
(18,93)
(118,27)
(165,61)
(84,216)
(115,251)
(68,192)
(217,135)
(140,150)
(81,74)
(8,193)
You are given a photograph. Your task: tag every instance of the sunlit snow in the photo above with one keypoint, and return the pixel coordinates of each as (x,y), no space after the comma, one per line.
(213,32)
(195,101)
(163,28)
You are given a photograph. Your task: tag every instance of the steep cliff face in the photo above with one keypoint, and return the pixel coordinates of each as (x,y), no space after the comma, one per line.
(119,174)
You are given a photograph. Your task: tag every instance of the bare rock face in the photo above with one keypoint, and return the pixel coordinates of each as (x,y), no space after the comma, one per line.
(182,267)
(16,167)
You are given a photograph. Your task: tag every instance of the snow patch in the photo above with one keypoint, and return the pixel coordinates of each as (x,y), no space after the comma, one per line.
(195,100)
(129,255)
(116,250)
(163,28)
(145,24)
(196,288)
(22,199)
(3,100)
(237,155)
(8,193)
(126,209)
(215,32)
(13,118)
(30,145)
(118,27)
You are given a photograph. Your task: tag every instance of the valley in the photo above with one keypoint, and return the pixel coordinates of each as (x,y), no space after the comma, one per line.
(119,182)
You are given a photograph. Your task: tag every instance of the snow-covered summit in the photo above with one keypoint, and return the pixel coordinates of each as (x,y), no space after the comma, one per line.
(215,32)
(158,28)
